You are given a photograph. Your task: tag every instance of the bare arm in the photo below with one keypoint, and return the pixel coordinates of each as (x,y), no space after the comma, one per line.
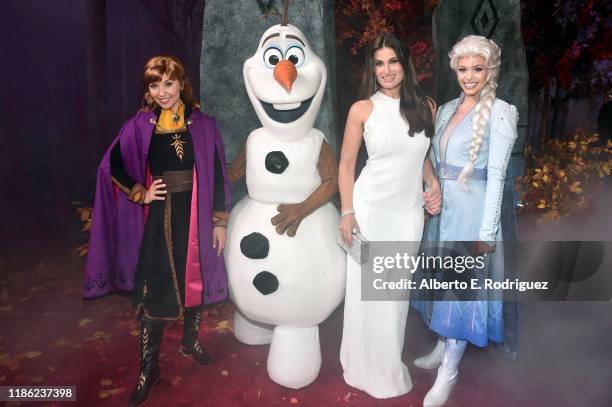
(433,196)
(353,136)
(290,215)
(429,175)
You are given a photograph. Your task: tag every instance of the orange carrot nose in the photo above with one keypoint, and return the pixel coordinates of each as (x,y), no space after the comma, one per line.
(285,74)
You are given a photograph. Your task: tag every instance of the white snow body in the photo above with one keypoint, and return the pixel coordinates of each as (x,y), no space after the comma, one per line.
(309,266)
(283,294)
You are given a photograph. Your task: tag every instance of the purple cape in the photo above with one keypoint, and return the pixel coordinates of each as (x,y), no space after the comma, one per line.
(118,224)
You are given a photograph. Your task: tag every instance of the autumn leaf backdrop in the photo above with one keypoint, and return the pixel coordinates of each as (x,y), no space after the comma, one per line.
(568,51)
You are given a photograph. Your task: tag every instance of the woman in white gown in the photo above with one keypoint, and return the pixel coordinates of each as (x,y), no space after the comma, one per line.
(395,119)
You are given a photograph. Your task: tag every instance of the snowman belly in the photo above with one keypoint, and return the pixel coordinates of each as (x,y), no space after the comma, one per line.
(281,171)
(298,281)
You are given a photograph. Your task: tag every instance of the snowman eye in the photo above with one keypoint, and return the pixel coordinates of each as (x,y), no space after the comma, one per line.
(272,56)
(295,55)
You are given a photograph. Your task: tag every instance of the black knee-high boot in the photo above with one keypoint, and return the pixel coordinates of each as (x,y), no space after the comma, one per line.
(190,344)
(151,332)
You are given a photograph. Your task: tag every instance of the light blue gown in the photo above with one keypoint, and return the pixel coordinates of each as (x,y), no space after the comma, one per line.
(471,216)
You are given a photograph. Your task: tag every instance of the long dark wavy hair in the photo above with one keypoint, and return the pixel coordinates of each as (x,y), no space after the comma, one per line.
(414,107)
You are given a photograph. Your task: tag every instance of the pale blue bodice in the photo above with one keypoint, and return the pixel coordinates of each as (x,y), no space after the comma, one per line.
(474,215)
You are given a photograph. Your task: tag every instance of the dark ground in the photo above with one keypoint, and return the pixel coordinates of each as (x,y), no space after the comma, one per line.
(50,336)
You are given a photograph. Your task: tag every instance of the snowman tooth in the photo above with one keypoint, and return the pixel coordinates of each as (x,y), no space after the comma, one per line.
(286,106)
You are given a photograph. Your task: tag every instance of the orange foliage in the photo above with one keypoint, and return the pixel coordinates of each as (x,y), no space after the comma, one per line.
(361,21)
(555,175)
(85,212)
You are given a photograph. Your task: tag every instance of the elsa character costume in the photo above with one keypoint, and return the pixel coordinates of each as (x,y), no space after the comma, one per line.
(471,212)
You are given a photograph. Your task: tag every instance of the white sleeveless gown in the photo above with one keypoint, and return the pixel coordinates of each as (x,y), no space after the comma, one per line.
(387,199)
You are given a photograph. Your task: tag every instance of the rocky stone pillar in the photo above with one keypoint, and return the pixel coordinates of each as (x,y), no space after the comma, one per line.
(231,34)
(499,20)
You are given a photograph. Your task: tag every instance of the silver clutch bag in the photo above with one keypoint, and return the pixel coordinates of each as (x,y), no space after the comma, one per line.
(359,251)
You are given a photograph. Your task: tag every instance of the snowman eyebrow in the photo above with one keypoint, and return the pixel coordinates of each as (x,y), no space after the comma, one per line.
(268,37)
(296,38)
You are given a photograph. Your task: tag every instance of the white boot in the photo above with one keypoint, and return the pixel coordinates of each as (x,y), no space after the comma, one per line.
(447,374)
(433,359)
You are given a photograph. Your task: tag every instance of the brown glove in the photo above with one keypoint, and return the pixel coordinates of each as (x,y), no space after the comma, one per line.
(289,218)
(237,168)
(290,215)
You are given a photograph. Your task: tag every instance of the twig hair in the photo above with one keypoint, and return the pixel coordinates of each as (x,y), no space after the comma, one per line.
(284,17)
(476,45)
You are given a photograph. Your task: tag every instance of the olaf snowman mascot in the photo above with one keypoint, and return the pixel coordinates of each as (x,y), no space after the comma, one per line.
(285,284)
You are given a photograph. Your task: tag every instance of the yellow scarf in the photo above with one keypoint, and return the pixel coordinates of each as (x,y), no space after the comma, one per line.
(165,122)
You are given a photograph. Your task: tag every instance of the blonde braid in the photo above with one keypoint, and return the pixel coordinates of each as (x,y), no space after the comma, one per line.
(474,45)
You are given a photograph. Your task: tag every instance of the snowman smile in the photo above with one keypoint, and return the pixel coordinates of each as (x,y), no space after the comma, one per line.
(286,112)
